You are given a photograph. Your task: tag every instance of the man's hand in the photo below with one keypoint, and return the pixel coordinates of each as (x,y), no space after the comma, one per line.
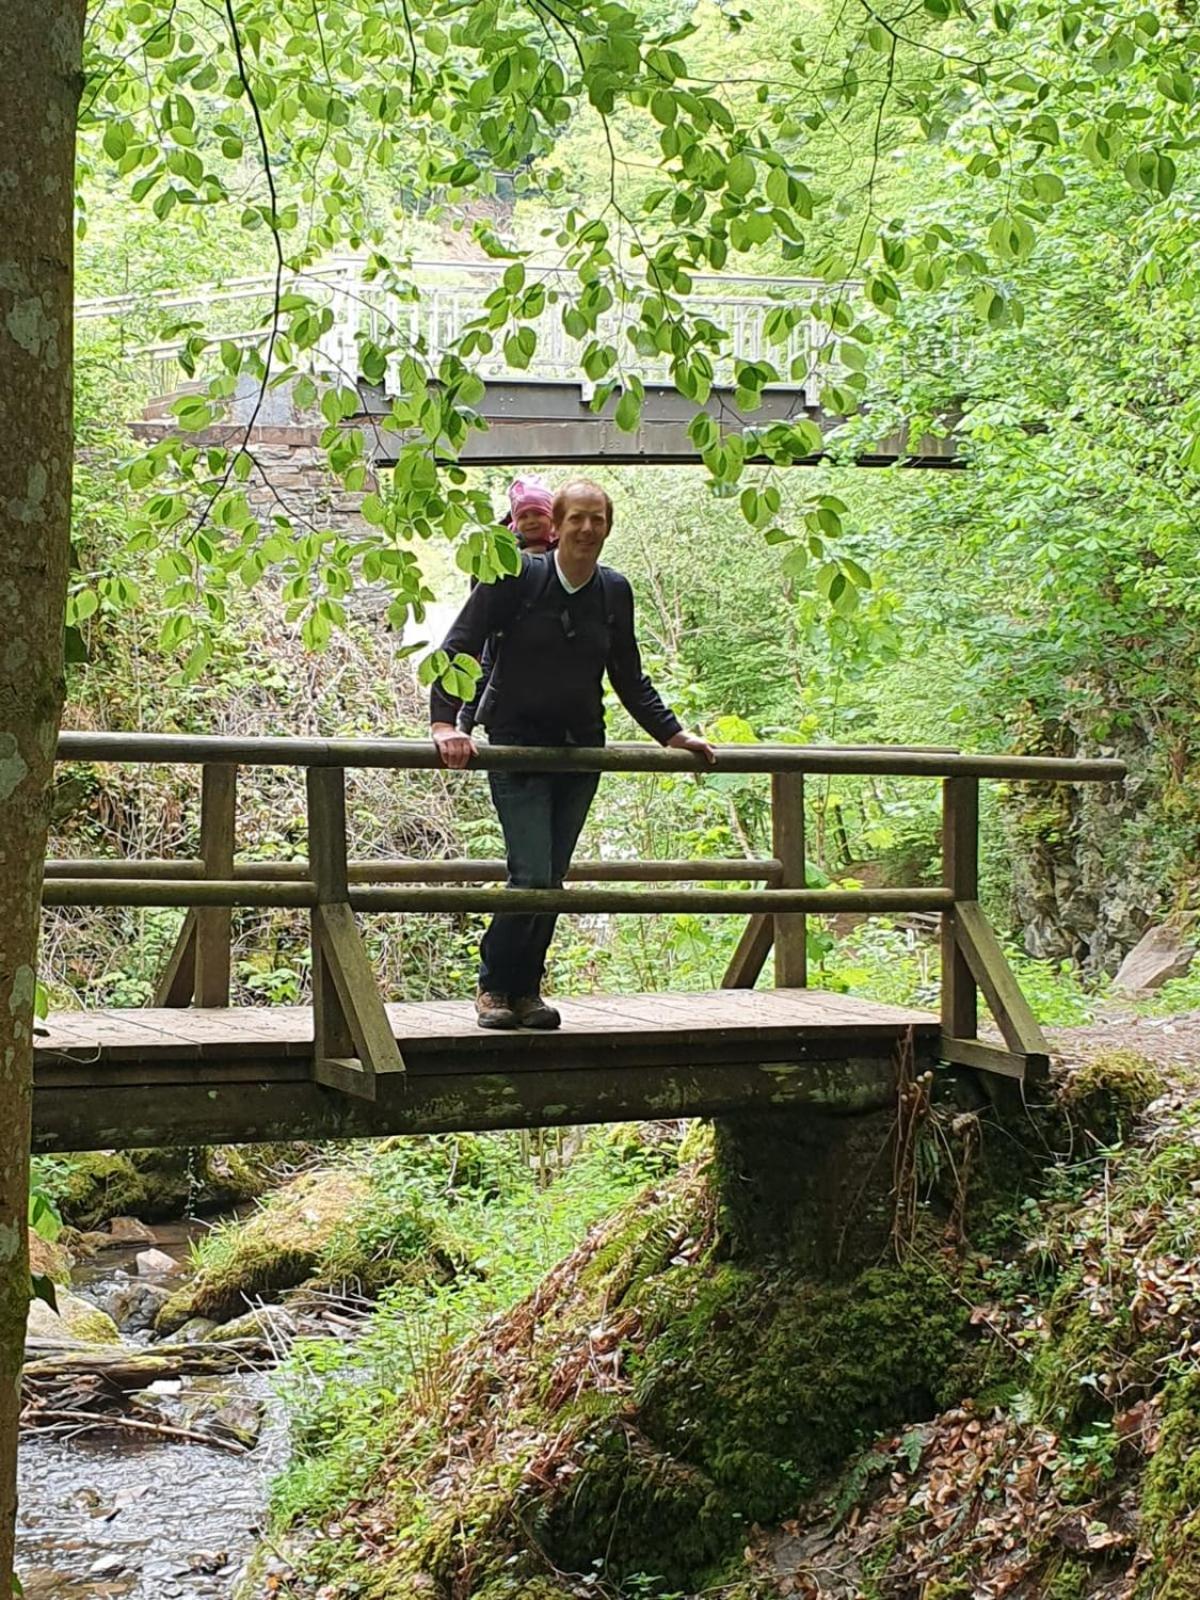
(693,742)
(456,749)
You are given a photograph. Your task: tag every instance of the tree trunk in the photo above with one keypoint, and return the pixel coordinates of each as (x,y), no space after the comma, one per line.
(40,74)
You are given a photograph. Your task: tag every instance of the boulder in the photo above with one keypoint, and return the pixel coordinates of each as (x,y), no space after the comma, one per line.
(128,1230)
(271,1324)
(75,1322)
(1162,953)
(277,1248)
(196,1330)
(157,1264)
(132,1304)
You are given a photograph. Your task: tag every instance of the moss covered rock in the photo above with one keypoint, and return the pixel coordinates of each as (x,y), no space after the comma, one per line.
(276,1249)
(157,1185)
(75,1321)
(1108,1092)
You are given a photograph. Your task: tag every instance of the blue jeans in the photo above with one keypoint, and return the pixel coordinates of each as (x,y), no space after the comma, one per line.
(542,814)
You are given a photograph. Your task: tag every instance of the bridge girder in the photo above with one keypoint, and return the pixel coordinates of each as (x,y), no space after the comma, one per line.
(550,422)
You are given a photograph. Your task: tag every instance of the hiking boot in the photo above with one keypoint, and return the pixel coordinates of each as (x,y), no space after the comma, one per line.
(531,1011)
(493,1010)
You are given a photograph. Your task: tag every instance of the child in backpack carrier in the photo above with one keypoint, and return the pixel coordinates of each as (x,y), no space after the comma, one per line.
(530,503)
(529,516)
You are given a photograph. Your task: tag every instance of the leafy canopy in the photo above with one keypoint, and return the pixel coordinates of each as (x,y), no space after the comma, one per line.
(723,139)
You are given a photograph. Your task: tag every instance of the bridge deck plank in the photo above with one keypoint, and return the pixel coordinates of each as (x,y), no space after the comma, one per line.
(103,1039)
(105,1080)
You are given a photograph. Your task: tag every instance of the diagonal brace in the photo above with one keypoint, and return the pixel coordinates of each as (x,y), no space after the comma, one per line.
(340,950)
(980,948)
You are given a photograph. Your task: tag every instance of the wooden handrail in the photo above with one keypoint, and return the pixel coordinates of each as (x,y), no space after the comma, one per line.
(418,754)
(710,870)
(207,892)
(353,1045)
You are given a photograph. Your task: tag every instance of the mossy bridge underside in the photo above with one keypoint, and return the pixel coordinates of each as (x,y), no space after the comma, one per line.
(113,1079)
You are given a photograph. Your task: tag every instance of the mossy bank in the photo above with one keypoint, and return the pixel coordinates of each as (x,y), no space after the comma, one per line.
(685,1379)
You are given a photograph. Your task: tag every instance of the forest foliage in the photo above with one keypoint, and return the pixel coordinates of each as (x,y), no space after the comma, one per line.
(994,207)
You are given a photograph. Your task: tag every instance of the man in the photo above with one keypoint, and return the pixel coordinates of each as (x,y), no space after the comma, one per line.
(562,623)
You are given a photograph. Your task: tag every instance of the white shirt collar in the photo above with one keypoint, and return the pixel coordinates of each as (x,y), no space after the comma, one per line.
(571,588)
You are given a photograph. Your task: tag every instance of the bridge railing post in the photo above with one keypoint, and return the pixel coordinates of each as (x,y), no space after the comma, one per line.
(960,874)
(353,1041)
(201,964)
(788,934)
(214,924)
(787,832)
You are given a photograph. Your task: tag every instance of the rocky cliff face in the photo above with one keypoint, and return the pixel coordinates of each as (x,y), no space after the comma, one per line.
(1094,864)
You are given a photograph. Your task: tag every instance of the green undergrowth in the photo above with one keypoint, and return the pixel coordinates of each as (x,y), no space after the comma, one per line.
(637,1412)
(609,1402)
(380,1217)
(1075,1477)
(1127,1289)
(512,1229)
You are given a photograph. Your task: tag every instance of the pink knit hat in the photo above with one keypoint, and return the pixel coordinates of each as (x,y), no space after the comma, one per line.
(529,494)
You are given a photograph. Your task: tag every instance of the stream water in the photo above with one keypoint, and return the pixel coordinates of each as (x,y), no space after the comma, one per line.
(104,1515)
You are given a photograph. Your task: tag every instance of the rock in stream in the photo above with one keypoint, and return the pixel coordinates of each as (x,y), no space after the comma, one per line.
(114,1516)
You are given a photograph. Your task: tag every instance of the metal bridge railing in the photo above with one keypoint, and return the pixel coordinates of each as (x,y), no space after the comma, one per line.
(446,299)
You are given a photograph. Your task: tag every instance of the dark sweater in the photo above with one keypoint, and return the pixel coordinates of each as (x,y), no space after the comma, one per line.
(551,656)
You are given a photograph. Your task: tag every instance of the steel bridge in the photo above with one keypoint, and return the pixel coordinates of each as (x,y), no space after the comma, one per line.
(542,413)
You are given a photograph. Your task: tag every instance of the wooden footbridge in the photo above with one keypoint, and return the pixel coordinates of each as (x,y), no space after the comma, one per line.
(192,1069)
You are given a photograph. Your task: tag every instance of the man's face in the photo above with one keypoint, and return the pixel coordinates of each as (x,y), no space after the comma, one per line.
(534,529)
(584,525)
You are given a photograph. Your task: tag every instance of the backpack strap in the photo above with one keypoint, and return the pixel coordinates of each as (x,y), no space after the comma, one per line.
(608,596)
(537,586)
(532,584)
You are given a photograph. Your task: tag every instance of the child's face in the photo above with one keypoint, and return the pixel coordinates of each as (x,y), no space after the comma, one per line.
(534,527)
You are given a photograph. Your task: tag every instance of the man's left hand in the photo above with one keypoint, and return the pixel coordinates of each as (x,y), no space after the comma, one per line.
(693,742)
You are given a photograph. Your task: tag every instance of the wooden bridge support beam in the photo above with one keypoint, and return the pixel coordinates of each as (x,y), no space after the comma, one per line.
(960,874)
(787,831)
(352,1038)
(787,934)
(201,964)
(972,958)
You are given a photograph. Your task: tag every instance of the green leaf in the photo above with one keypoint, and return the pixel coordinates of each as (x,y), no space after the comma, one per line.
(75,650)
(629,411)
(1176,85)
(663,107)
(519,348)
(82,605)
(739,175)
(857,574)
(795,563)
(42,1287)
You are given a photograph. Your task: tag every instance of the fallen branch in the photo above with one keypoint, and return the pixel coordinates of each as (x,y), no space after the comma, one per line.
(89,1420)
(131,1368)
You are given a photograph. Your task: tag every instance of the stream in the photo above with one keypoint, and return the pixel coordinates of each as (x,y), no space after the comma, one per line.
(106,1515)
